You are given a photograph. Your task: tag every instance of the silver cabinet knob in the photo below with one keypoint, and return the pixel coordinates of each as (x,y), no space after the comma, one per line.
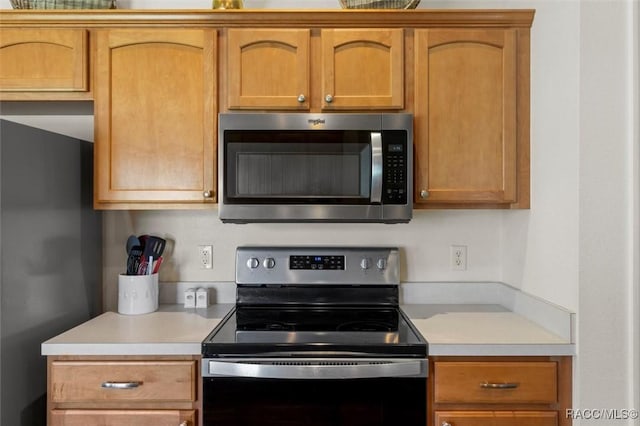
(185,423)
(328,99)
(207,194)
(365,263)
(269,263)
(253,263)
(302,98)
(424,194)
(446,424)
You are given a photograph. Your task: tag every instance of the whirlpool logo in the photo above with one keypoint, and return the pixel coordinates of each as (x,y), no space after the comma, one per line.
(315,122)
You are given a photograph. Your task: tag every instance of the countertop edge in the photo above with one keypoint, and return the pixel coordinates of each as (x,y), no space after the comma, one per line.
(502,350)
(120,349)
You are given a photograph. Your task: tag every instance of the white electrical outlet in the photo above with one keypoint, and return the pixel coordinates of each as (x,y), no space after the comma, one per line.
(458,258)
(205,253)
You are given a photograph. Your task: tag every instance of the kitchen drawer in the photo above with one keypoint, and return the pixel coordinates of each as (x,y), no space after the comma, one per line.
(123,418)
(496,418)
(87,381)
(496,382)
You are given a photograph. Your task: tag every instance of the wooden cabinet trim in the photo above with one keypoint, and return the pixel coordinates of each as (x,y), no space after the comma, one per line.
(421,18)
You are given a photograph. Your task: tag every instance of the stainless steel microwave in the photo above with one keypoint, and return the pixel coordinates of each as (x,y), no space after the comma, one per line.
(299,167)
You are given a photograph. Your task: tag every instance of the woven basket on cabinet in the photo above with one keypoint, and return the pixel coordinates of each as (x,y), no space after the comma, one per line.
(379,4)
(63,4)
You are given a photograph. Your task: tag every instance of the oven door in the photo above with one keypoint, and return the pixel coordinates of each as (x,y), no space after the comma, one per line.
(314,392)
(302,167)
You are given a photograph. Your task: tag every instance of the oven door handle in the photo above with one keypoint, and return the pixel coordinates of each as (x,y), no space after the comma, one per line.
(314,369)
(376,167)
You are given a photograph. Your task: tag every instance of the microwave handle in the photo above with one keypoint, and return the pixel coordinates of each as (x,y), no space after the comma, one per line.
(376,167)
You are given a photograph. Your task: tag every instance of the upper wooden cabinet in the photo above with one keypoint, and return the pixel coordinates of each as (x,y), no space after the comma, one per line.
(464,74)
(268,69)
(155,117)
(362,69)
(300,69)
(471,92)
(43,64)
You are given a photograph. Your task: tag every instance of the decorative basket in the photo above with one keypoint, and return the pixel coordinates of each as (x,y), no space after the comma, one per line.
(63,4)
(379,4)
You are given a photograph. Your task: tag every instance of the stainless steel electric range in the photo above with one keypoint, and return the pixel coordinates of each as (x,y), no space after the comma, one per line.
(317,338)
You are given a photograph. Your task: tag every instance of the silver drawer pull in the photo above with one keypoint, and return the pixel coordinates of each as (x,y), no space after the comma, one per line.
(121,385)
(487,385)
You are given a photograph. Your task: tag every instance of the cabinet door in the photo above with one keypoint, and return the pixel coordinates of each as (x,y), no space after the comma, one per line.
(496,418)
(42,60)
(123,418)
(268,69)
(465,115)
(155,116)
(496,382)
(362,69)
(100,381)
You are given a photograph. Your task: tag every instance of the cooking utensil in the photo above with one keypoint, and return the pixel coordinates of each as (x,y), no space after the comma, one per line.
(156,267)
(132,241)
(153,246)
(133,260)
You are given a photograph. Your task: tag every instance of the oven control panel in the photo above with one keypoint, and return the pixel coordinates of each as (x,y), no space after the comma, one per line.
(316,262)
(325,265)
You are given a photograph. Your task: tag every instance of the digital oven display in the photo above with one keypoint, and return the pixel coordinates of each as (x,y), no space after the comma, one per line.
(316,262)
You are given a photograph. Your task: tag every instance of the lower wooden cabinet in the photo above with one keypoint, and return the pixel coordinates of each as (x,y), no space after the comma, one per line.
(496,418)
(499,391)
(123,391)
(123,418)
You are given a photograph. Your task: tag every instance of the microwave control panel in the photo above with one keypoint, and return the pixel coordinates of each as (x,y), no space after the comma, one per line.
(395,161)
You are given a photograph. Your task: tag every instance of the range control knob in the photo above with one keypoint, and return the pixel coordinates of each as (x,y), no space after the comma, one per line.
(269,263)
(382,264)
(365,263)
(253,263)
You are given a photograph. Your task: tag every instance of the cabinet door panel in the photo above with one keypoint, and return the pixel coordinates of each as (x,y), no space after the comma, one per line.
(268,68)
(155,115)
(43,60)
(496,418)
(466,116)
(123,418)
(363,69)
(84,381)
(471,382)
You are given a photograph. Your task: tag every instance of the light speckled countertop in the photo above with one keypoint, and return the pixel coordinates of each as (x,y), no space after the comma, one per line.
(476,330)
(456,329)
(172,330)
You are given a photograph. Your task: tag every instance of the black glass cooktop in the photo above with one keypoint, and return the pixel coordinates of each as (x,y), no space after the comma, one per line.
(322,331)
(316,319)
